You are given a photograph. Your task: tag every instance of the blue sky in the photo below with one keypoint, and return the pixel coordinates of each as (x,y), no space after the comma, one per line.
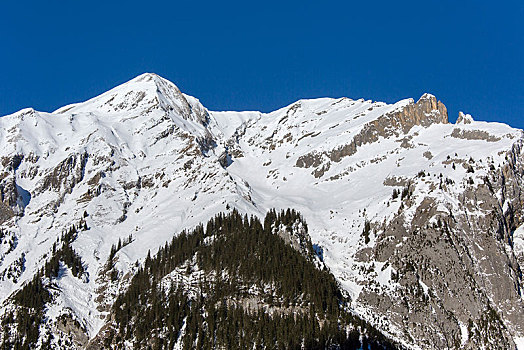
(264,55)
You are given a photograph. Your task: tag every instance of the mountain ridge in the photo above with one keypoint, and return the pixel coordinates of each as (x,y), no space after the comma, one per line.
(166,159)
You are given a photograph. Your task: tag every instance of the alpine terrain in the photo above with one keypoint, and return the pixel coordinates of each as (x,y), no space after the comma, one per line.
(139,219)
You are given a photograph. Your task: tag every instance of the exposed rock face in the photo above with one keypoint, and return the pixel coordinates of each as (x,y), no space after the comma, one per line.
(66,174)
(455,280)
(425,112)
(11,198)
(474,135)
(464,118)
(73,330)
(8,193)
(312,159)
(172,99)
(6,212)
(296,236)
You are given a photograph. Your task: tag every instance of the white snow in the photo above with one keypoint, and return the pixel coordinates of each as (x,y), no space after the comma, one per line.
(519,341)
(518,241)
(463,334)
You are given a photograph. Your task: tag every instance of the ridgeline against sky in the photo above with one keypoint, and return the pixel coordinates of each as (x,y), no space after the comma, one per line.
(240,56)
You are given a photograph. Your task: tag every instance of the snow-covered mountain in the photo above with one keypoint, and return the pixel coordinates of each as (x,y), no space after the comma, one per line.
(417,218)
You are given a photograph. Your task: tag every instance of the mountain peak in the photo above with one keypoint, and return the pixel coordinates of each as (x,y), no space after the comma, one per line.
(143,94)
(149,83)
(149,80)
(427,96)
(425,112)
(147,76)
(430,110)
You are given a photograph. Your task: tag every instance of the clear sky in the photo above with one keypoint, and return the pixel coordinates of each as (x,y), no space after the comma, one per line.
(263,55)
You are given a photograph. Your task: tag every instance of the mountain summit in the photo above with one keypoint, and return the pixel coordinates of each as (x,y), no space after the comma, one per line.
(419,221)
(145,93)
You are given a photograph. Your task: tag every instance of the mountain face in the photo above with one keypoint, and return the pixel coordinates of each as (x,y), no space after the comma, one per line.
(418,220)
